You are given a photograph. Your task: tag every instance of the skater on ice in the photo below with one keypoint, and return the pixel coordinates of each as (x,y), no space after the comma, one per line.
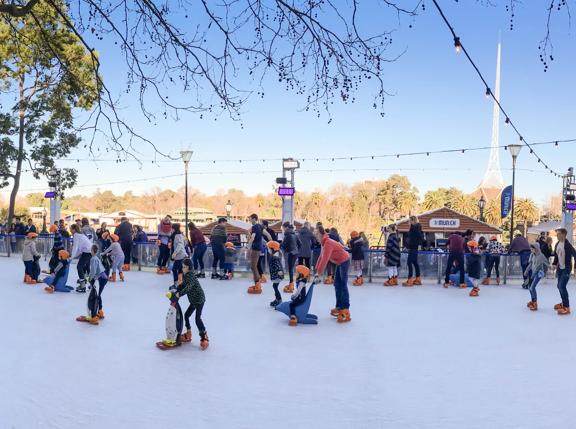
(114,251)
(95,311)
(474,266)
(299,295)
(164,233)
(356,245)
(564,253)
(537,264)
(178,254)
(392,256)
(81,250)
(31,256)
(335,253)
(57,281)
(276,270)
(229,259)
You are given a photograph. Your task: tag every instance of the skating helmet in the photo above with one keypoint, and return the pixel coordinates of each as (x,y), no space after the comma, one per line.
(303,270)
(354,234)
(493,238)
(53,229)
(63,254)
(473,244)
(31,235)
(114,237)
(273,245)
(229,245)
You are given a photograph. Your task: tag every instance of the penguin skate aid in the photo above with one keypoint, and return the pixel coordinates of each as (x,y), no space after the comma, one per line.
(175,320)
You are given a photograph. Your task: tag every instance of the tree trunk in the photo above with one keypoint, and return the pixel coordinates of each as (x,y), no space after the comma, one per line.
(18,172)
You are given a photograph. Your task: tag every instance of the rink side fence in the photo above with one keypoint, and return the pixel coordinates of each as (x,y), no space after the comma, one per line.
(145,255)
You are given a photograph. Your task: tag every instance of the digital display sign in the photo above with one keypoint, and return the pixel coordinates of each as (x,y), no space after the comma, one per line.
(50,194)
(285,191)
(570,205)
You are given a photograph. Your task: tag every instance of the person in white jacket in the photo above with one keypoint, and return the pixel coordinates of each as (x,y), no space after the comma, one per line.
(81,250)
(30,256)
(178,252)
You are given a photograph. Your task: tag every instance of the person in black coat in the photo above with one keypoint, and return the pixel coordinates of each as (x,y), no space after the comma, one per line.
(415,238)
(124,232)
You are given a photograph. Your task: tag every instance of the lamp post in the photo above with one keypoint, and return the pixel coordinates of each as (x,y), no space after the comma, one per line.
(481,206)
(44,213)
(289,165)
(514,150)
(228,209)
(186,155)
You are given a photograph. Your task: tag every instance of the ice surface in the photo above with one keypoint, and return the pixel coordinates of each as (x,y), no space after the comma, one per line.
(421,357)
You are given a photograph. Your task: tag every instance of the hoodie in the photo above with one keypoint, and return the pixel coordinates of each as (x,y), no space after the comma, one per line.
(538,261)
(29,252)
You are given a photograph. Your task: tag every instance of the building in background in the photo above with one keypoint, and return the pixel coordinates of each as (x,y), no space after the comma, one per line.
(200,216)
(147,221)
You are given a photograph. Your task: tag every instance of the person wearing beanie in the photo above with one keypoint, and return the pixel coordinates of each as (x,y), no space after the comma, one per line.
(299,296)
(356,245)
(392,256)
(30,257)
(537,264)
(117,254)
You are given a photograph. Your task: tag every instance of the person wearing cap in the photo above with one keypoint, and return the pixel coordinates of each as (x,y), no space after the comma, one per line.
(299,295)
(117,254)
(474,266)
(81,250)
(563,254)
(30,257)
(493,252)
(537,264)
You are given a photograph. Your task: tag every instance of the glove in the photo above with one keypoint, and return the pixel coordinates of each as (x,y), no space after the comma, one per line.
(281,275)
(316,279)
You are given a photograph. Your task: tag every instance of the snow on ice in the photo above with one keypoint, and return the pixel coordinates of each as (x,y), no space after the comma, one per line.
(422,357)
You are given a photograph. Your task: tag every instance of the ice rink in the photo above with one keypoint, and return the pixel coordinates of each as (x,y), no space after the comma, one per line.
(422,357)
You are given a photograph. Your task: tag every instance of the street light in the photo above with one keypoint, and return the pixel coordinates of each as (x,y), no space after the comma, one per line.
(44,213)
(481,206)
(289,164)
(514,150)
(228,209)
(186,155)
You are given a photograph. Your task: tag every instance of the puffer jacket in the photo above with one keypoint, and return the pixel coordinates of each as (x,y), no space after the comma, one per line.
(306,239)
(29,252)
(218,235)
(290,242)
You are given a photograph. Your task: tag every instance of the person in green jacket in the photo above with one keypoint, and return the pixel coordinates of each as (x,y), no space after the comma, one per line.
(191,287)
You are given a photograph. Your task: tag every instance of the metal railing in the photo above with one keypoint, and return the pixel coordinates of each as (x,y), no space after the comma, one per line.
(145,255)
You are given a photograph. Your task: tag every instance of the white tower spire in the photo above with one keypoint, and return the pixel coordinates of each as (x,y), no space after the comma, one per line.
(493,176)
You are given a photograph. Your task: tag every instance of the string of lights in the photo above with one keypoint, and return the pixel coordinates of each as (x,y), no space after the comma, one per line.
(330,158)
(460,48)
(274,172)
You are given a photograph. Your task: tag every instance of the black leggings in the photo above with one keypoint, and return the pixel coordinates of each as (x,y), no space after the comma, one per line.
(295,303)
(83,266)
(276,291)
(163,255)
(492,262)
(304,260)
(198,320)
(218,256)
(291,265)
(261,265)
(127,249)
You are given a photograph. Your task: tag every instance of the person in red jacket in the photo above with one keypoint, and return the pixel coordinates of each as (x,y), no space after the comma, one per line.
(334,252)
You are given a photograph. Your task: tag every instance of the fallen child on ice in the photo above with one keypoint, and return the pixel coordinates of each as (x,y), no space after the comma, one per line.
(57,281)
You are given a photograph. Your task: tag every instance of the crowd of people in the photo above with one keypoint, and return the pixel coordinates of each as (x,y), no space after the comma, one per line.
(312,254)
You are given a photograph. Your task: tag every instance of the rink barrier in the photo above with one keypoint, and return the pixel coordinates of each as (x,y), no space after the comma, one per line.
(144,257)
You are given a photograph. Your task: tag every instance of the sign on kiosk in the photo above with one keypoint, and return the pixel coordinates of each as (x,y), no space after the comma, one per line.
(444,223)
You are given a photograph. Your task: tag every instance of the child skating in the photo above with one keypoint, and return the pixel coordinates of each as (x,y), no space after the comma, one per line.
(299,295)
(474,266)
(392,256)
(229,259)
(97,274)
(117,254)
(191,287)
(356,245)
(537,264)
(276,271)
(30,257)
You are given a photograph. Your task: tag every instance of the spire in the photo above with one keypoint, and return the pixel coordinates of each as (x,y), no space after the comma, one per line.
(493,177)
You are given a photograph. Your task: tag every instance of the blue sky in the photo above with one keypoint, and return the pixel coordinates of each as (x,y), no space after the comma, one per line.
(439,103)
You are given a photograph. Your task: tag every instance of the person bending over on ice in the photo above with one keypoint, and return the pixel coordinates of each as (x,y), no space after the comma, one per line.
(81,249)
(334,252)
(30,256)
(191,287)
(117,254)
(474,266)
(276,271)
(537,264)
(299,296)
(563,255)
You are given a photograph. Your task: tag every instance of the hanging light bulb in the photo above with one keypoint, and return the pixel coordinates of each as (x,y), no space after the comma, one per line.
(457,44)
(507,121)
(488,92)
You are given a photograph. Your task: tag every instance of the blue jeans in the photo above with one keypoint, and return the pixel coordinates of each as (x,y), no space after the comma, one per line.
(452,257)
(198,256)
(535,280)
(524,260)
(413,266)
(341,286)
(563,277)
